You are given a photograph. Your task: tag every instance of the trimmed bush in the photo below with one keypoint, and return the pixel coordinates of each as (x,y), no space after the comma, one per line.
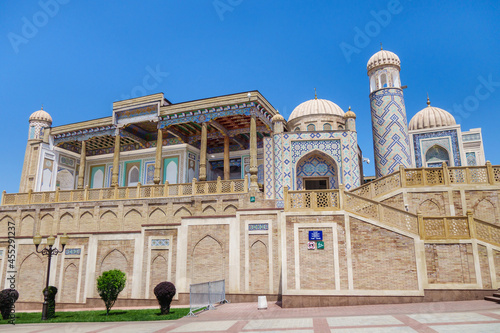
(109,286)
(164,292)
(7,299)
(51,300)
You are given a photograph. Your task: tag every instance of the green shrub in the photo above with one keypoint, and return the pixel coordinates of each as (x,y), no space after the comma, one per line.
(51,300)
(109,286)
(164,292)
(7,299)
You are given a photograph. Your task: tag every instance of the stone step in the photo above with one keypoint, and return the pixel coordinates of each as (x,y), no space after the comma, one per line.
(492,298)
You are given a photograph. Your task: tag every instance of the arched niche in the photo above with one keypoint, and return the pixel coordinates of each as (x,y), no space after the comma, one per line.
(436,155)
(315,171)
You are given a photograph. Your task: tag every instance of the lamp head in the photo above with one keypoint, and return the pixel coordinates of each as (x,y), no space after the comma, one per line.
(64,240)
(37,240)
(51,240)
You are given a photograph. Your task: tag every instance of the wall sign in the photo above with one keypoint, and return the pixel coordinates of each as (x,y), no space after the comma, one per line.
(315,235)
(320,245)
(311,245)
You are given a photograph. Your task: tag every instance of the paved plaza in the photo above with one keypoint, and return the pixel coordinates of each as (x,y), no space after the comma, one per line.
(467,316)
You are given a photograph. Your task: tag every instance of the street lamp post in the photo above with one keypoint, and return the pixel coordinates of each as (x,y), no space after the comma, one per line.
(48,251)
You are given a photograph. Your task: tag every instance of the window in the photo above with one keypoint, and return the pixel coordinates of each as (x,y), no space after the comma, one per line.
(311,127)
(383,80)
(133,176)
(327,127)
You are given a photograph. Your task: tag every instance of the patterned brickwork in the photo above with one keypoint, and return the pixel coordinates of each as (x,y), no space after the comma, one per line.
(496,259)
(317,262)
(116,255)
(457,202)
(378,253)
(485,266)
(70,282)
(395,201)
(429,203)
(31,274)
(391,142)
(450,263)
(259,263)
(208,253)
(484,205)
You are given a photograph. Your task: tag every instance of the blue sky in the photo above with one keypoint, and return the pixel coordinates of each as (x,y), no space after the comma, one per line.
(77,57)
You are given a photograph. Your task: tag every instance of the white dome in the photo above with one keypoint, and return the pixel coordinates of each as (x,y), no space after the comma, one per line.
(316,107)
(431,117)
(382,58)
(41,115)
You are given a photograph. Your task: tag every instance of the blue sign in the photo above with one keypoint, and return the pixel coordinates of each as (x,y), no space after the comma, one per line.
(315,235)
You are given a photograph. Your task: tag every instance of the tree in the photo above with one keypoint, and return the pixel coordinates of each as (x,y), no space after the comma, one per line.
(7,299)
(51,300)
(109,286)
(164,292)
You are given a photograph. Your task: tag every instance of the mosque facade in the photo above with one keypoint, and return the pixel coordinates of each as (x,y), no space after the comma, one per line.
(226,188)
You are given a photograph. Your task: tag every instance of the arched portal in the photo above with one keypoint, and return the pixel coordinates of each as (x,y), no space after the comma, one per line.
(436,156)
(316,171)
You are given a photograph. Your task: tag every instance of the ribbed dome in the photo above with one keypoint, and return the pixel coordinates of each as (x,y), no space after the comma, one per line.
(431,117)
(316,107)
(41,115)
(350,114)
(382,58)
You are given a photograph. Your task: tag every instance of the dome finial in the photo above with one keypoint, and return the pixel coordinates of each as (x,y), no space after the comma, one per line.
(42,106)
(315,94)
(349,108)
(381,48)
(428,100)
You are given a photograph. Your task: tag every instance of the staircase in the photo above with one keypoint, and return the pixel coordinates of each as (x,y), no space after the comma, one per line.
(494,298)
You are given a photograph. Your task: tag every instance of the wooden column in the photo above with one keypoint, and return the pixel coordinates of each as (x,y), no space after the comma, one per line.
(159,145)
(81,172)
(116,159)
(203,153)
(254,186)
(226,158)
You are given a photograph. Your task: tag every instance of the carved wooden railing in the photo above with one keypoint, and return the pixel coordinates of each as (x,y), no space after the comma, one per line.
(458,227)
(138,192)
(445,175)
(380,212)
(341,200)
(487,232)
(312,200)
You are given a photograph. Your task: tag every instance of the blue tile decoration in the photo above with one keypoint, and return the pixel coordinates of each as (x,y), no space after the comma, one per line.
(258,226)
(421,147)
(471,159)
(268,168)
(72,252)
(284,151)
(317,165)
(149,172)
(160,242)
(471,137)
(391,141)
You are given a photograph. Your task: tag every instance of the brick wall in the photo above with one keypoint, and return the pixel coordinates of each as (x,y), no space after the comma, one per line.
(484,205)
(378,253)
(395,201)
(450,263)
(116,255)
(485,266)
(208,253)
(429,203)
(316,266)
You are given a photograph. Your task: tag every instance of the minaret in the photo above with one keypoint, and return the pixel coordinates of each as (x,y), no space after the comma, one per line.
(391,142)
(40,121)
